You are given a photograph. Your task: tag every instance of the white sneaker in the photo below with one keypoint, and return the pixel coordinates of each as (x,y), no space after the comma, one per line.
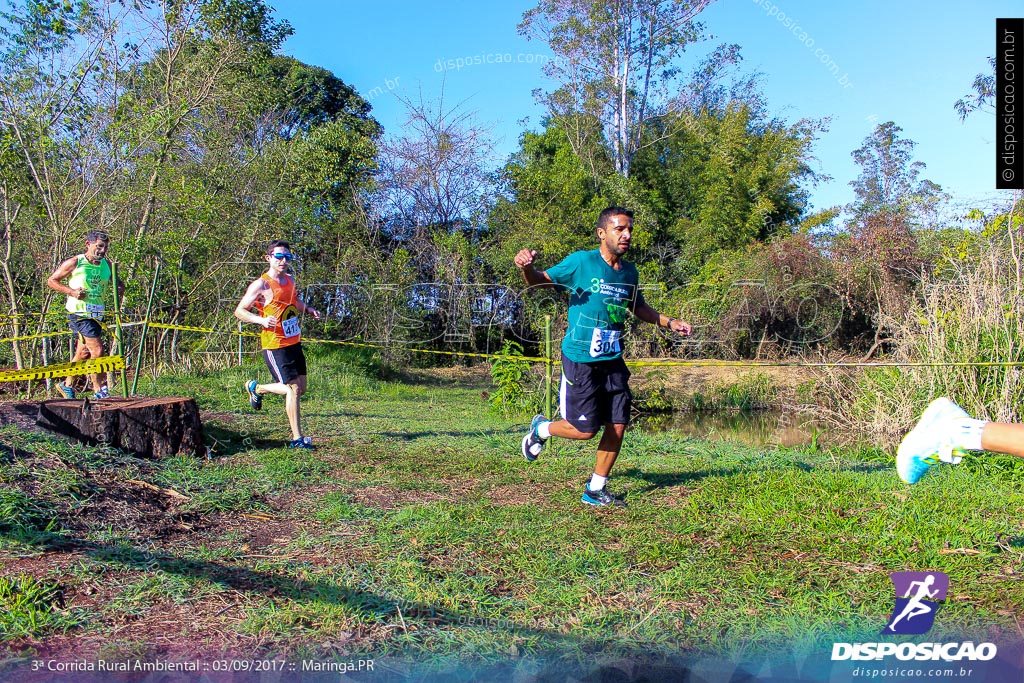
(931,441)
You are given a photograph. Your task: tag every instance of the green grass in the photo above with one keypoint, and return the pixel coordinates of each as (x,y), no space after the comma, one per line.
(31,607)
(416,527)
(753,392)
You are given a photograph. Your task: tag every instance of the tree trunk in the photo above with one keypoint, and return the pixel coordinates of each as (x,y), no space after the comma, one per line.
(148,427)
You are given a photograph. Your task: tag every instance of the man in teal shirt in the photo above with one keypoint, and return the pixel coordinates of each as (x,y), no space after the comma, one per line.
(594,391)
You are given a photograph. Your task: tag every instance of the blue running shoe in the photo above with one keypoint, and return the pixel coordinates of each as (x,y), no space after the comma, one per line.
(103,393)
(304,442)
(601,498)
(255,400)
(68,392)
(930,442)
(532,443)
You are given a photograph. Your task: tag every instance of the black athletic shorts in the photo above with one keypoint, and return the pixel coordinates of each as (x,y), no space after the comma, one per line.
(86,327)
(286,364)
(593,394)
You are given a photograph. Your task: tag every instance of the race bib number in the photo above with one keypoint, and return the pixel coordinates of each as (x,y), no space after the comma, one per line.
(605,342)
(95,311)
(290,327)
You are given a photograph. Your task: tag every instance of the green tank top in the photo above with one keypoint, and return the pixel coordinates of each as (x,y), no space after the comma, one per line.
(95,279)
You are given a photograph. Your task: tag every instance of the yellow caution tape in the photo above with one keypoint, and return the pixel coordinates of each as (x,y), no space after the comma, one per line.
(541,359)
(52,314)
(82,367)
(784,364)
(208,330)
(411,349)
(190,328)
(35,336)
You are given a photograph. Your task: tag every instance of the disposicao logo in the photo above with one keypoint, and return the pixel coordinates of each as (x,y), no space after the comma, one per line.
(918,595)
(922,592)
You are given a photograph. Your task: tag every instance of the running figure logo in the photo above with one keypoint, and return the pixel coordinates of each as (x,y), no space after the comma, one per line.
(921,593)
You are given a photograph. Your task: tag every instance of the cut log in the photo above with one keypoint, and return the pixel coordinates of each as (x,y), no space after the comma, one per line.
(149,427)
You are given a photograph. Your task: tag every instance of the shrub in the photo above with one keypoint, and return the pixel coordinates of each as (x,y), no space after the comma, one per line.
(515,385)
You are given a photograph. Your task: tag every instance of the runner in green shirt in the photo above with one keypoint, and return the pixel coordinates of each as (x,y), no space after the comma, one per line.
(88,283)
(594,391)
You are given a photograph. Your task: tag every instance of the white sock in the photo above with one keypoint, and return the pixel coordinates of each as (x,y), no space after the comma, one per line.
(597,482)
(544,430)
(967,433)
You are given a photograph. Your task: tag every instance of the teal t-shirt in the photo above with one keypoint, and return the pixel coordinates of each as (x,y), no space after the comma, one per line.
(599,303)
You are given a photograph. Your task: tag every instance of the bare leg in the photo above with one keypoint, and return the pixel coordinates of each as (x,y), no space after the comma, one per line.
(1003,438)
(95,348)
(291,403)
(608,449)
(81,353)
(565,430)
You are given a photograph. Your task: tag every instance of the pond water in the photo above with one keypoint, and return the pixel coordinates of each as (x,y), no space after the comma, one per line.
(756,428)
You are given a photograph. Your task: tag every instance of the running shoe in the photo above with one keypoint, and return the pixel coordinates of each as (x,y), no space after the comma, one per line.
(532,443)
(255,400)
(931,441)
(601,498)
(103,393)
(303,442)
(68,392)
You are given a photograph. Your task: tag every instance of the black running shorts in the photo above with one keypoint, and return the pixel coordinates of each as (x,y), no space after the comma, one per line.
(86,327)
(594,394)
(286,364)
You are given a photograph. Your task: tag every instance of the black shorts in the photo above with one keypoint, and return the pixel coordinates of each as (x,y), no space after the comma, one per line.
(85,327)
(286,364)
(594,394)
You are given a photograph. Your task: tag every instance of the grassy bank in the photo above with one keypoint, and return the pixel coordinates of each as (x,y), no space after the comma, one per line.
(417,528)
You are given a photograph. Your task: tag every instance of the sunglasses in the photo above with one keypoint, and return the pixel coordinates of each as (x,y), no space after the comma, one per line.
(286,257)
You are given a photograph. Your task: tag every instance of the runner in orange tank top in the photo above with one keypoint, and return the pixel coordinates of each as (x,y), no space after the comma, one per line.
(282,308)
(278,306)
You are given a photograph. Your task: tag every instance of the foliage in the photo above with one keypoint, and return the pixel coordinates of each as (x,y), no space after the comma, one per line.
(888,186)
(553,199)
(968,317)
(653,396)
(515,385)
(755,391)
(764,300)
(723,178)
(618,64)
(178,130)
(983,97)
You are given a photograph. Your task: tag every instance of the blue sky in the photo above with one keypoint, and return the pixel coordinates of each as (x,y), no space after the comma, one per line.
(906,61)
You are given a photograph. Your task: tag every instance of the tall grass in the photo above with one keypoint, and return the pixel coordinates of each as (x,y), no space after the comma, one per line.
(972,313)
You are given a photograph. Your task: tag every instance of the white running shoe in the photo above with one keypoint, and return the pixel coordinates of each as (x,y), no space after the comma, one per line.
(931,441)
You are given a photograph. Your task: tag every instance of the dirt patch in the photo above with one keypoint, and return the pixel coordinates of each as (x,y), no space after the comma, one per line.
(390,498)
(21,414)
(253,533)
(474,376)
(515,495)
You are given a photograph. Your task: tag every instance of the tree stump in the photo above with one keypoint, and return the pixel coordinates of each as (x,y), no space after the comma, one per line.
(149,427)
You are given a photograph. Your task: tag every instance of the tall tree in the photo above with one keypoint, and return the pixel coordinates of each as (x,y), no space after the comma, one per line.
(889,183)
(618,62)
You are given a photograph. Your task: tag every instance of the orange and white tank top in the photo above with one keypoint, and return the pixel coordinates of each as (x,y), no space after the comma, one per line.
(282,307)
